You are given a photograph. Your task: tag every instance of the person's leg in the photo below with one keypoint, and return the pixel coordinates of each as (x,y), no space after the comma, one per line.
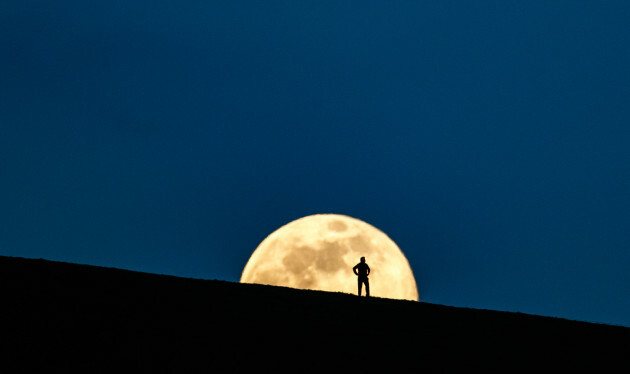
(360,284)
(367,287)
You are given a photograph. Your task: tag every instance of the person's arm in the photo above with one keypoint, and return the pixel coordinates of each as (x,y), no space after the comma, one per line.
(354,269)
(368,269)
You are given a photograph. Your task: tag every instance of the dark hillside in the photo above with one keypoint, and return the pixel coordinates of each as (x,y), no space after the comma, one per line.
(77,318)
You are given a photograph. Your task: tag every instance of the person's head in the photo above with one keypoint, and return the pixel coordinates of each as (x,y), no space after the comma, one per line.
(362,259)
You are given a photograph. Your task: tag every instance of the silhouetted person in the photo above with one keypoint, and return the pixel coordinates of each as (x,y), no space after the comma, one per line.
(362,270)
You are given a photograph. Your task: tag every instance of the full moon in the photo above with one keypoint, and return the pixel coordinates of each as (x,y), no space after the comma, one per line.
(318,252)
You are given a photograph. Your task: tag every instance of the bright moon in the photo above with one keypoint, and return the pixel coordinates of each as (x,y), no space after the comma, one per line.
(318,252)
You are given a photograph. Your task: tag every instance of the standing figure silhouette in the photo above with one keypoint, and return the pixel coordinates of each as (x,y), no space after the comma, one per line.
(362,270)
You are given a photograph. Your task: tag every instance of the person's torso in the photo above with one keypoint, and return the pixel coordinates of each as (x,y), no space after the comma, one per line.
(362,268)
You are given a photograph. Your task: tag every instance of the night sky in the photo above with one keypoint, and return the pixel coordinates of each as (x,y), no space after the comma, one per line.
(490,140)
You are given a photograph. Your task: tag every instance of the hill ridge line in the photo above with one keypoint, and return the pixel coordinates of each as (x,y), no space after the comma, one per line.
(46,262)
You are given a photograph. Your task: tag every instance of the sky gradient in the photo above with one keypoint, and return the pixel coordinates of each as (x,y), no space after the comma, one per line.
(489,140)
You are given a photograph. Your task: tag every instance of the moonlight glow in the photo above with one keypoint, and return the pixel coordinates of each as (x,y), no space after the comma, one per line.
(318,252)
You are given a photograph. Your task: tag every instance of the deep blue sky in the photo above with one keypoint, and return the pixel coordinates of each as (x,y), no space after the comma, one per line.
(489,139)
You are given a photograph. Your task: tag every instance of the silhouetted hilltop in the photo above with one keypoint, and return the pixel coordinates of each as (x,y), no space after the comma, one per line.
(75,318)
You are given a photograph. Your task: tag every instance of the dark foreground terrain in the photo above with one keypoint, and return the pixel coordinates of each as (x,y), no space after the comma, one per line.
(59,317)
